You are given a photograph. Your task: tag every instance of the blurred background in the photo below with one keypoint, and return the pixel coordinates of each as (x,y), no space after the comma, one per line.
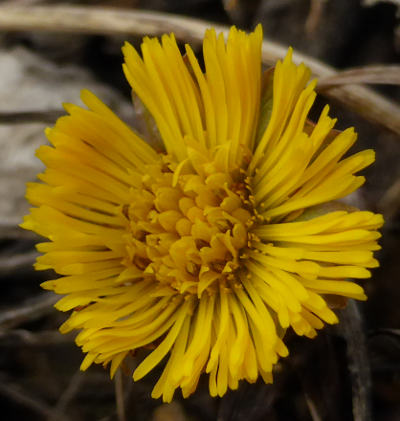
(350,372)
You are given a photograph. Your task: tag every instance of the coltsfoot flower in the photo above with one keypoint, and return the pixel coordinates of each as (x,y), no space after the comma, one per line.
(207,250)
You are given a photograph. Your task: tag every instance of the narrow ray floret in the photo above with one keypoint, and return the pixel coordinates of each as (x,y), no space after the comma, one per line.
(204,251)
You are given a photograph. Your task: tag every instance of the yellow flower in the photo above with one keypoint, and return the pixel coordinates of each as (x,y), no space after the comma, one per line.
(207,251)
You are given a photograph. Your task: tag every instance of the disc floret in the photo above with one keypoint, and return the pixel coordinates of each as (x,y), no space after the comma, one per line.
(190,232)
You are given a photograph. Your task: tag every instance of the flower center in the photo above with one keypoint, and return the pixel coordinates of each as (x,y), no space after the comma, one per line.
(189,231)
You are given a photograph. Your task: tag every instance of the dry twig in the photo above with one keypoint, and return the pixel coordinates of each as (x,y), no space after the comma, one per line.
(119,396)
(357,356)
(90,20)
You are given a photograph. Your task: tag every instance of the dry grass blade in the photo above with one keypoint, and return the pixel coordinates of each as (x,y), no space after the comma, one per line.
(9,229)
(312,408)
(394,332)
(29,310)
(96,20)
(384,75)
(230,4)
(18,117)
(69,393)
(22,398)
(374,2)
(17,261)
(26,338)
(389,204)
(314,16)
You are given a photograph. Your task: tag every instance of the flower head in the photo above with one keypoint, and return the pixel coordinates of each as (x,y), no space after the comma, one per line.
(206,251)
